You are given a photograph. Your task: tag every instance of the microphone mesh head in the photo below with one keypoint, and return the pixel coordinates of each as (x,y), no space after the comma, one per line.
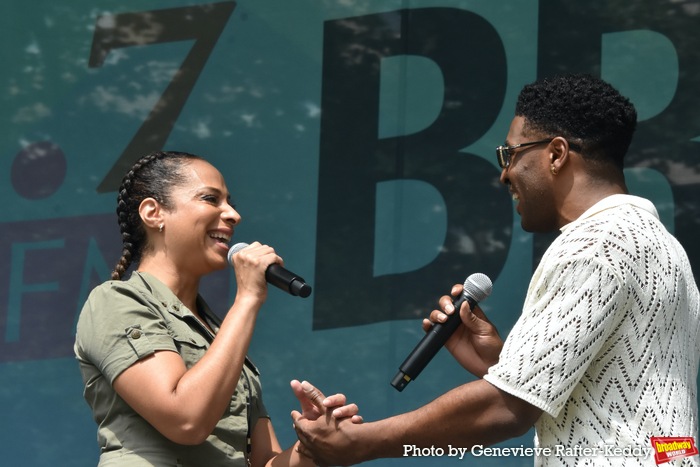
(477,286)
(235,249)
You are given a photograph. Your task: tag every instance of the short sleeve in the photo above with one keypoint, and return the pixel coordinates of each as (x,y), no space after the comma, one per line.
(260,411)
(570,310)
(118,326)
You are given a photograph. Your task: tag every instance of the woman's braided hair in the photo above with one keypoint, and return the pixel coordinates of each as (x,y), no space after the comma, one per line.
(152,176)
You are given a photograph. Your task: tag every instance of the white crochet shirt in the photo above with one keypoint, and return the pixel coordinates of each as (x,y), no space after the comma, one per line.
(607,344)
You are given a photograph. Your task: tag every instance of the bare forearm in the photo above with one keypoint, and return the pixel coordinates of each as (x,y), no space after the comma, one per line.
(474,413)
(207,387)
(268,453)
(290,458)
(185,404)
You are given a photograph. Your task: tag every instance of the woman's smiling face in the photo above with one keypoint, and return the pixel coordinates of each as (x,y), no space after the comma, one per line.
(200,224)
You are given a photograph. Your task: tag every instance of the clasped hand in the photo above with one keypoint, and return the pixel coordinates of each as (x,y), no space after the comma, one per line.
(314,404)
(329,411)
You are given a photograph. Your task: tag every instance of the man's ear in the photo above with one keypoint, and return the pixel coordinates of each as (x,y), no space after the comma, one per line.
(559,156)
(151,213)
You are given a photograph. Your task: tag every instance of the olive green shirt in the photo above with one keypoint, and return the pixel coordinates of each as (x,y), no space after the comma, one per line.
(125,321)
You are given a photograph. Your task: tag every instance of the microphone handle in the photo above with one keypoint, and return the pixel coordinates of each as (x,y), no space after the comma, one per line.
(287,281)
(429,346)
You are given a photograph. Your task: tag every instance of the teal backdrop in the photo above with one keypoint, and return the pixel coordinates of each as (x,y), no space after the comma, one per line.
(357,138)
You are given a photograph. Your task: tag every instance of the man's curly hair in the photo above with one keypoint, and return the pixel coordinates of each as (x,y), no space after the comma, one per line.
(583,109)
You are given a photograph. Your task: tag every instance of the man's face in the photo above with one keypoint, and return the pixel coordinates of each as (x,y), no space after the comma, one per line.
(529,180)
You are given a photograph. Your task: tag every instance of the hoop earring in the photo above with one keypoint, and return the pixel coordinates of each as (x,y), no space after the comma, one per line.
(160,228)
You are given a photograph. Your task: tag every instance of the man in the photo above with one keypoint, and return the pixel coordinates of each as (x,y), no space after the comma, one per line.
(605,353)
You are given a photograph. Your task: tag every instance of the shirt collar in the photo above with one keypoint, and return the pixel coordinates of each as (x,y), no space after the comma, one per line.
(614,201)
(169,300)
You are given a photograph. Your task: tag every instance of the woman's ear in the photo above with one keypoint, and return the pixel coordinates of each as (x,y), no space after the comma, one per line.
(151,213)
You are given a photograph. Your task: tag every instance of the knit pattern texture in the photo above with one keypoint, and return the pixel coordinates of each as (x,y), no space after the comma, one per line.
(607,344)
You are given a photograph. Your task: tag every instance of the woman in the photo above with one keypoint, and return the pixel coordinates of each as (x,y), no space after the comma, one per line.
(167,381)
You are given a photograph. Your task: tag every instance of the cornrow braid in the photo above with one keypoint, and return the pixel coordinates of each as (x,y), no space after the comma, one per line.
(152,176)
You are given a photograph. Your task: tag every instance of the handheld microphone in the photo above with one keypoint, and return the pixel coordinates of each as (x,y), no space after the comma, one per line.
(278,276)
(476,288)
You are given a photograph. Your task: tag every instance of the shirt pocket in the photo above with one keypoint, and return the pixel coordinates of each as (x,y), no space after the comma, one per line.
(191,348)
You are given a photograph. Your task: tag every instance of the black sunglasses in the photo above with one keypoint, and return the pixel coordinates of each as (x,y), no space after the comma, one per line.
(504,154)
